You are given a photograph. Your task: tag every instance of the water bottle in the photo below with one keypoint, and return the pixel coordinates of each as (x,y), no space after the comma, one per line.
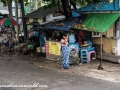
(72,39)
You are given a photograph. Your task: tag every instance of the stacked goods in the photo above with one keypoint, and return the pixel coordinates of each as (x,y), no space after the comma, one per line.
(60,24)
(74,25)
(79,26)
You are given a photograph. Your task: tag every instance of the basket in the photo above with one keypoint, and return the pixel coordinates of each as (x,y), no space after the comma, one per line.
(38,49)
(30,46)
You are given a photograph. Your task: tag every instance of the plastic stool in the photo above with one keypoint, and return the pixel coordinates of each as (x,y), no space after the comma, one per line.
(89,55)
(84,55)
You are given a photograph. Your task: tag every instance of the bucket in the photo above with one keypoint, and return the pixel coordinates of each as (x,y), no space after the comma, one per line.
(49,18)
(117,33)
(38,49)
(114,50)
(43,50)
(2,49)
(30,46)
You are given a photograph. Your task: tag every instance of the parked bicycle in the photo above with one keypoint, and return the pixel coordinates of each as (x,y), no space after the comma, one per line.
(10,45)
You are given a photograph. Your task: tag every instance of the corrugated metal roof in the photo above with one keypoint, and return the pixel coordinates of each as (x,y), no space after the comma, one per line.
(99,7)
(41,12)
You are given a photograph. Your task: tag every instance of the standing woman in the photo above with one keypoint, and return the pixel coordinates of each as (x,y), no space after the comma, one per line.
(65,52)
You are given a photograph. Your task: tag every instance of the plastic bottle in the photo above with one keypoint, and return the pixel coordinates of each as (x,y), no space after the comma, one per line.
(72,38)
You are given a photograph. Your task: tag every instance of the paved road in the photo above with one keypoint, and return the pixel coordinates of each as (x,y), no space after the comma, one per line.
(18,70)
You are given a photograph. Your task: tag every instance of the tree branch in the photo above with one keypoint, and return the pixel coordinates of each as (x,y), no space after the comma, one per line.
(73,4)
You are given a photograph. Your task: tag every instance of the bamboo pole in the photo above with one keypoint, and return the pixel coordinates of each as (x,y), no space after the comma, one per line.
(100,66)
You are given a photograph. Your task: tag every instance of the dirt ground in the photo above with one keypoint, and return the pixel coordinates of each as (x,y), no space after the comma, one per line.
(24,70)
(110,72)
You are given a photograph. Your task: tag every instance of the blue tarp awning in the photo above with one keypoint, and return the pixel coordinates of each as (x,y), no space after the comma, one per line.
(74,14)
(63,25)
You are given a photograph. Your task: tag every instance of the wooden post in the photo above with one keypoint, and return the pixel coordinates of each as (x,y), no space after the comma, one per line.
(40,40)
(100,66)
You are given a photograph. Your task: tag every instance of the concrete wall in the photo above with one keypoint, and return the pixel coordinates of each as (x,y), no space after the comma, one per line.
(107,44)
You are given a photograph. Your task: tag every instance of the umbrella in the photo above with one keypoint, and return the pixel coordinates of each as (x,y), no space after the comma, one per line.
(8,21)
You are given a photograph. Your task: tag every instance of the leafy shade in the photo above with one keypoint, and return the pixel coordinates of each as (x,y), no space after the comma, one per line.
(5,2)
(80,3)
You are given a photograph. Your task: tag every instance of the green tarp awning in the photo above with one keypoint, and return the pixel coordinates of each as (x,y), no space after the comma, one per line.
(99,22)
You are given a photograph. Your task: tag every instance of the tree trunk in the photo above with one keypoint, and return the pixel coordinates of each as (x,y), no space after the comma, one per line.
(73,4)
(24,23)
(53,2)
(67,9)
(17,27)
(10,16)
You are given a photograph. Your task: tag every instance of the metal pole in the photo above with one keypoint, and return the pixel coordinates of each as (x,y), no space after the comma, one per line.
(100,66)
(10,16)
(17,35)
(23,19)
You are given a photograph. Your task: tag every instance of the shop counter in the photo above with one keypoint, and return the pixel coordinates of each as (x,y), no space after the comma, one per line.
(53,51)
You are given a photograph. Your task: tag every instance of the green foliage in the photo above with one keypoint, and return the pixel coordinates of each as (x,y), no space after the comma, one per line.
(1,13)
(50,3)
(80,3)
(27,3)
(49,6)
(39,4)
(48,0)
(92,1)
(4,2)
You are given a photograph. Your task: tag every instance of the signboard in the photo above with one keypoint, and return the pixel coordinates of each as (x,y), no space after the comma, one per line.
(53,50)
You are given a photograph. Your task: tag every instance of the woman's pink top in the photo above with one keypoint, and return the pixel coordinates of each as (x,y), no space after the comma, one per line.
(62,42)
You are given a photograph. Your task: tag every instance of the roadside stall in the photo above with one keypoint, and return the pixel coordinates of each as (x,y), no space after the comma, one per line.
(52,27)
(80,45)
(98,23)
(53,35)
